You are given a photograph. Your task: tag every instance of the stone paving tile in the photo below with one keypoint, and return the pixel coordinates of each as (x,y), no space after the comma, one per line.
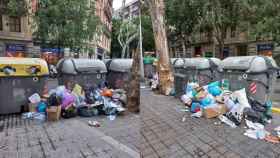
(163,134)
(69,138)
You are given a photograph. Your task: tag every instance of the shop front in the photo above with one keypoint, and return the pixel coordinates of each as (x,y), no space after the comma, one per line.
(265,49)
(52,55)
(15,50)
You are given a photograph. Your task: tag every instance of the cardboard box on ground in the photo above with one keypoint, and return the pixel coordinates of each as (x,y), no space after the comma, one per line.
(214,111)
(53,113)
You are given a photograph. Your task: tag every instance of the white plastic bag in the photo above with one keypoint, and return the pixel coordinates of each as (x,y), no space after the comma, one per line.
(35,98)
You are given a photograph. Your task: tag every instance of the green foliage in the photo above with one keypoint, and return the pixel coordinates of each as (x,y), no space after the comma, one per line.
(264,18)
(66,23)
(115,46)
(147,32)
(16,7)
(184,15)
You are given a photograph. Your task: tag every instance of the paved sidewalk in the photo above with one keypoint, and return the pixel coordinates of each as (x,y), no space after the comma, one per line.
(164,135)
(71,138)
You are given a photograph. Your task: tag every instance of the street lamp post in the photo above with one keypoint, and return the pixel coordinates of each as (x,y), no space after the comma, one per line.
(141,47)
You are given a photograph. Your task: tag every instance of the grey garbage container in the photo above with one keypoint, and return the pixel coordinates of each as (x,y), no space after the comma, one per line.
(81,71)
(180,77)
(201,70)
(257,74)
(119,73)
(19,79)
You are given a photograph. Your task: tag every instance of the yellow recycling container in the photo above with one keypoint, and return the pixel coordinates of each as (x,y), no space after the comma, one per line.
(19,79)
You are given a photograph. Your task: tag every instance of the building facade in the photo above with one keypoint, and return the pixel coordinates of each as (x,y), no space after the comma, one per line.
(237,43)
(104,10)
(130,11)
(16,33)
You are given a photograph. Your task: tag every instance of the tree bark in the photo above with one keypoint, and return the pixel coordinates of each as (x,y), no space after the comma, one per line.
(134,84)
(156,8)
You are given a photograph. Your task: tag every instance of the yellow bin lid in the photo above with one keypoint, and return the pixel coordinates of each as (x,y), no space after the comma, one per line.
(10,66)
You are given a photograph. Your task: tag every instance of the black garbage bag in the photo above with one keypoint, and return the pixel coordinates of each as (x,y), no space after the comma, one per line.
(256,105)
(233,118)
(54,100)
(69,113)
(85,111)
(254,116)
(89,94)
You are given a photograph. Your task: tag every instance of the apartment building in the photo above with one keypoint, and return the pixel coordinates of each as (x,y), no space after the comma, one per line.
(104,10)
(16,33)
(131,10)
(237,43)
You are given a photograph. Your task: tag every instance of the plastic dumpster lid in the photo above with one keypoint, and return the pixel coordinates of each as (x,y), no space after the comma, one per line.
(218,63)
(249,63)
(121,65)
(178,62)
(75,66)
(23,67)
(198,63)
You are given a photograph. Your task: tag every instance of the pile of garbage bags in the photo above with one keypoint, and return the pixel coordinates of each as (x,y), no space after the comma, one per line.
(86,101)
(215,99)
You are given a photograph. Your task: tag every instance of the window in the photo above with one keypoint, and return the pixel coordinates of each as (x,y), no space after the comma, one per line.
(1,23)
(15,24)
(233,32)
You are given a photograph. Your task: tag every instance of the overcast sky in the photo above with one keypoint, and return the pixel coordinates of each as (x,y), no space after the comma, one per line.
(118,3)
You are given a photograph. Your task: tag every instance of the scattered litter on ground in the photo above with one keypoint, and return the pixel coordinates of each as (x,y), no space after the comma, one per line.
(94,123)
(197,114)
(227,121)
(230,107)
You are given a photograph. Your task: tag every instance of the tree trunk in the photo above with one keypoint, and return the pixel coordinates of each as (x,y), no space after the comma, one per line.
(134,84)
(157,12)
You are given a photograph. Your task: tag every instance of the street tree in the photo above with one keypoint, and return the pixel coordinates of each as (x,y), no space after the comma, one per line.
(219,16)
(183,19)
(116,48)
(263,18)
(157,12)
(66,23)
(16,7)
(127,34)
(147,32)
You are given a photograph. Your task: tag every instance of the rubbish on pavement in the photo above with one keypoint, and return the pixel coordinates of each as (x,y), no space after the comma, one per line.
(34,115)
(186,100)
(241,97)
(256,126)
(214,111)
(112,117)
(32,107)
(107,93)
(272,139)
(227,121)
(69,112)
(94,123)
(41,107)
(256,134)
(197,114)
(53,113)
(184,118)
(195,107)
(35,98)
